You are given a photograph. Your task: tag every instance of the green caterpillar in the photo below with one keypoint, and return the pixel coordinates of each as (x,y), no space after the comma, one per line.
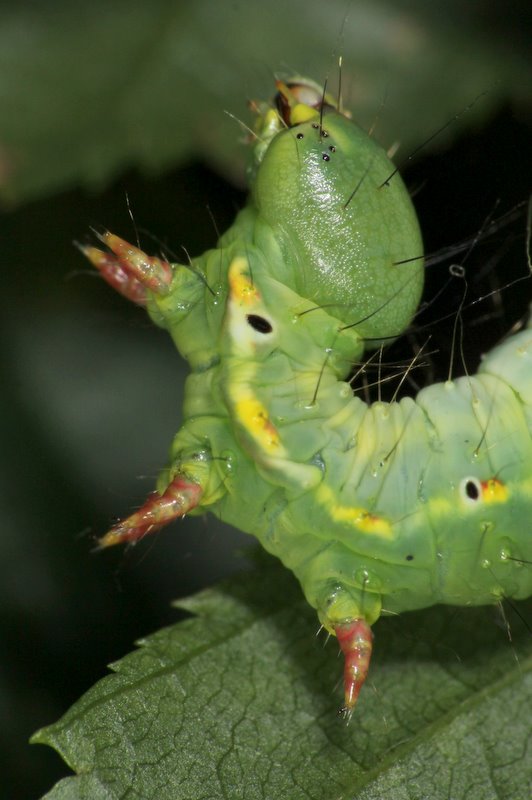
(375,508)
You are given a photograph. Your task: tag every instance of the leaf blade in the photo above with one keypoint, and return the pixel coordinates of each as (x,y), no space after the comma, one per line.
(236,703)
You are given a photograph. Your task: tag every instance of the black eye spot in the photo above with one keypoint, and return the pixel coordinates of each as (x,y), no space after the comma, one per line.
(326,156)
(300,136)
(259,324)
(471,490)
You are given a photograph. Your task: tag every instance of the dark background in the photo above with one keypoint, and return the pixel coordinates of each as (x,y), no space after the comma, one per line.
(90,399)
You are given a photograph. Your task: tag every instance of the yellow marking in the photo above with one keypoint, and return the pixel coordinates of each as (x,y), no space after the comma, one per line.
(494,491)
(249,411)
(241,288)
(302,113)
(359,517)
(254,417)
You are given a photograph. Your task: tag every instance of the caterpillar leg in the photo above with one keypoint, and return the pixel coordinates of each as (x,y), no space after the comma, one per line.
(356,642)
(180,497)
(348,611)
(129,270)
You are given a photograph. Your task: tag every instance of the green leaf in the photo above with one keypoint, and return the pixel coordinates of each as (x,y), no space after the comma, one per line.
(239,702)
(90,89)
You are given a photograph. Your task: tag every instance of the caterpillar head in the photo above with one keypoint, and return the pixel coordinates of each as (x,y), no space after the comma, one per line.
(350,240)
(297,100)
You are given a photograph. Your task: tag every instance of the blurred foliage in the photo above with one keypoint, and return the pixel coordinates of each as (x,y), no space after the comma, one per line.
(89,89)
(91,392)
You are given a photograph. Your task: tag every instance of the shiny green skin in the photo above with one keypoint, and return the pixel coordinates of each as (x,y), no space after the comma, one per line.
(405,463)
(363,260)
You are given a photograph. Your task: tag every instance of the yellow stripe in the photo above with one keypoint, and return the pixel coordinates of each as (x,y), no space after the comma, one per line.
(360,518)
(253,416)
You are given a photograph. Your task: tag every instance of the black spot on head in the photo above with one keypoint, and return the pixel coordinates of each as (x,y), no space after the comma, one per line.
(259,324)
(300,136)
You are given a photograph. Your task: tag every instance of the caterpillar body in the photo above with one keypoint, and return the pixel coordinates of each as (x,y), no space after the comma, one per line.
(376,508)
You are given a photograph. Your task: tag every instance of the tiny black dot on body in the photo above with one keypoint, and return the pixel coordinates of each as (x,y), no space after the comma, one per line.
(409,558)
